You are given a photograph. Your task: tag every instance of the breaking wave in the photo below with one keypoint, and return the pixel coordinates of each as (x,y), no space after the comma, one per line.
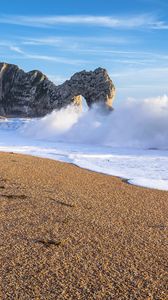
(137,124)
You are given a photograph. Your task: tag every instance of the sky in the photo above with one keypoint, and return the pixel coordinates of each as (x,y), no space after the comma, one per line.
(60,37)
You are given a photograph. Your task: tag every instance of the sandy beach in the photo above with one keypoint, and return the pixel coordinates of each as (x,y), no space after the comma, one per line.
(69,233)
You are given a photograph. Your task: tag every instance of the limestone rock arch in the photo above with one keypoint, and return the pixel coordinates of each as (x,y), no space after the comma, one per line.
(95,86)
(32,94)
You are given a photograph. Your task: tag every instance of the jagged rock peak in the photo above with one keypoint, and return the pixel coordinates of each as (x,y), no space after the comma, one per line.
(32,94)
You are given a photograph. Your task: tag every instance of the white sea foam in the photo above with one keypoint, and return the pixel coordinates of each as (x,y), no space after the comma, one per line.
(140,124)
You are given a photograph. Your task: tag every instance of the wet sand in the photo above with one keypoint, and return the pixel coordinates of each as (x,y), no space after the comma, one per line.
(68,233)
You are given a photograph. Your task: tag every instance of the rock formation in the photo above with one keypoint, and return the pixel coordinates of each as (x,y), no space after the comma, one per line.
(32,94)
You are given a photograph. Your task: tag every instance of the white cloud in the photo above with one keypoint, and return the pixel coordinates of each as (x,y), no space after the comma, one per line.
(138,21)
(62,60)
(16,49)
(57,59)
(68,40)
(57,79)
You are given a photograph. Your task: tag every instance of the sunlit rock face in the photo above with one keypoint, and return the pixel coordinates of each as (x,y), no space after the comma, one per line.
(32,94)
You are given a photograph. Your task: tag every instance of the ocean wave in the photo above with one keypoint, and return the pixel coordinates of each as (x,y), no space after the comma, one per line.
(135,124)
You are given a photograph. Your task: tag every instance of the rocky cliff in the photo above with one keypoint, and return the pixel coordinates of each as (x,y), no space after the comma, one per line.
(32,94)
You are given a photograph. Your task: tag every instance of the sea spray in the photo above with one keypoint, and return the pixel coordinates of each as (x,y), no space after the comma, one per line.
(134,124)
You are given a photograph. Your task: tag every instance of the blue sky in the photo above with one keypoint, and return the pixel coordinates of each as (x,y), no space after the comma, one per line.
(127,37)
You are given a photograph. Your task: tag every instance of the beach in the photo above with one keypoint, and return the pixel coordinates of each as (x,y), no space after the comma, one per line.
(69,233)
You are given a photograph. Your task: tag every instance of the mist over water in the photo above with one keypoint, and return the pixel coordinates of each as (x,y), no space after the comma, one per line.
(134,124)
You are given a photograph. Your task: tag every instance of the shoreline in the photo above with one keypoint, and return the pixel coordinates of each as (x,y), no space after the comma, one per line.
(69,233)
(123,179)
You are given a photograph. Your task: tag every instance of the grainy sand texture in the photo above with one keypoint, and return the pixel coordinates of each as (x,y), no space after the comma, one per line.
(68,233)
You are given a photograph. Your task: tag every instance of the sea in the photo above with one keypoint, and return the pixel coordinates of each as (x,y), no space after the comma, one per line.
(130,142)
